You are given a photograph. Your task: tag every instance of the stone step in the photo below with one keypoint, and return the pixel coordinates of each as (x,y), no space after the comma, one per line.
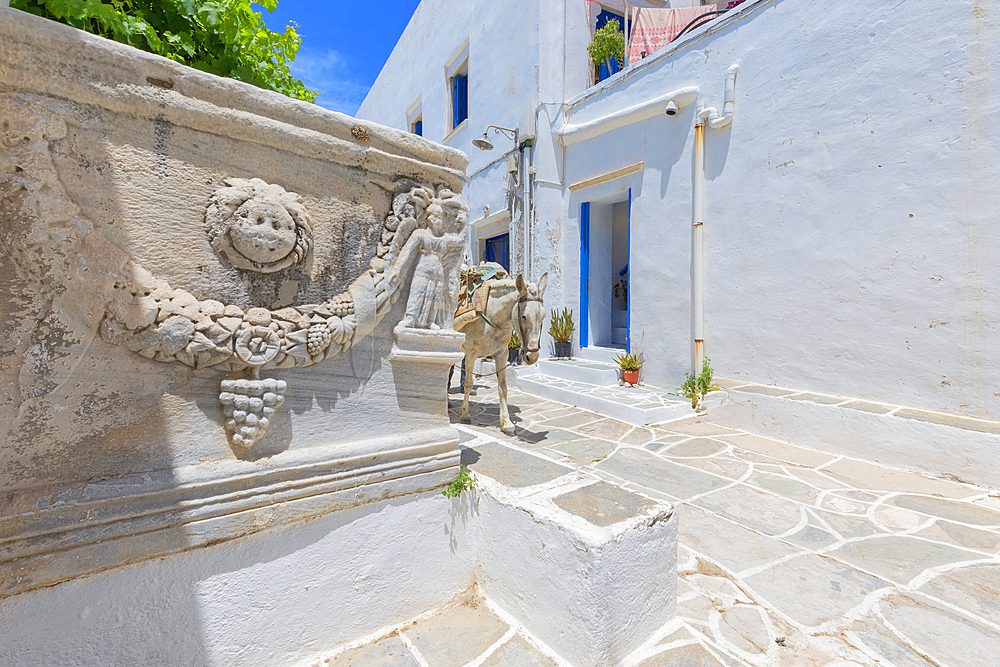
(637,405)
(580,370)
(597,353)
(961,447)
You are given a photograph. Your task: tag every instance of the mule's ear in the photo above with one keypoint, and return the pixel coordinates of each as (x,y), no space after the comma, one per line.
(542,283)
(522,287)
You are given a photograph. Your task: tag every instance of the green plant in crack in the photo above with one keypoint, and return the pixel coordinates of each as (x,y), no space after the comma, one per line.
(464,482)
(695,388)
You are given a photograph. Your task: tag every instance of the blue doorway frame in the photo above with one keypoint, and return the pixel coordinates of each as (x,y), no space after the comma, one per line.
(628,280)
(584,273)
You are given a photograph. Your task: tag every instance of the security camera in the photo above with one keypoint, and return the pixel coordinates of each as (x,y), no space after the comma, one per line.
(671,108)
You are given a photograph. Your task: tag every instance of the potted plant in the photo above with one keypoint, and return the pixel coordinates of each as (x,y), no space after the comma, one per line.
(620,289)
(695,388)
(561,330)
(630,364)
(514,349)
(607,45)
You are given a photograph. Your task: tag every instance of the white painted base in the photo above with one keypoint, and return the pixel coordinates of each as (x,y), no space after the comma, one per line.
(267,600)
(531,382)
(580,370)
(888,440)
(286,595)
(596,353)
(591,594)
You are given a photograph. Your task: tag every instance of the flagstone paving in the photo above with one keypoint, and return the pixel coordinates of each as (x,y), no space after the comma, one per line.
(638,396)
(787,555)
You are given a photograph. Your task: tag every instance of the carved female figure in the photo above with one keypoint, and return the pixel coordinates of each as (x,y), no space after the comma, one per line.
(434,287)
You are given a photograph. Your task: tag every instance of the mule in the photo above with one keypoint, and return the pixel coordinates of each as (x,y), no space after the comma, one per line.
(514,304)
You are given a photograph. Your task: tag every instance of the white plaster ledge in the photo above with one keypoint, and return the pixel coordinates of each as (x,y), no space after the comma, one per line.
(50,535)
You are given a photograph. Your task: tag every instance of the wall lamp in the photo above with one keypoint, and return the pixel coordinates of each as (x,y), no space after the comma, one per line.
(483,144)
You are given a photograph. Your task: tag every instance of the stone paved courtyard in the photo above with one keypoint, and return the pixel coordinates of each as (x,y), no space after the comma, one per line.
(787,556)
(643,397)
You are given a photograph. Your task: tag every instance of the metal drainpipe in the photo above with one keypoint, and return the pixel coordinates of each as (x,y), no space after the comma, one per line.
(522,174)
(716,121)
(527,213)
(697,250)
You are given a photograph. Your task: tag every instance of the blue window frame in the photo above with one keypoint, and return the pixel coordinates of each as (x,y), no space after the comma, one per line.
(459,99)
(418,127)
(498,250)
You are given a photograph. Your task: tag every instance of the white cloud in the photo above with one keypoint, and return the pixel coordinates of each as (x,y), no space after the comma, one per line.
(327,71)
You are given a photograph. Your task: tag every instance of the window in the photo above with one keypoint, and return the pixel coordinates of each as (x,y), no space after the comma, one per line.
(497,249)
(460,95)
(490,238)
(456,81)
(602,20)
(415,118)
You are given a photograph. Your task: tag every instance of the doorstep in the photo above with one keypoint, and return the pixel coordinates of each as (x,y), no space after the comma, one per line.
(636,405)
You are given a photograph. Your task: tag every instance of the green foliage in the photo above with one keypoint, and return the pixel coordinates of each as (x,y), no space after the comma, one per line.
(561,326)
(630,361)
(515,341)
(696,388)
(620,289)
(608,43)
(223,37)
(463,482)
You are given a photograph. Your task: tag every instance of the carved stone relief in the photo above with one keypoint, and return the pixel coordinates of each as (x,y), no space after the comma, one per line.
(258,226)
(249,406)
(265,228)
(422,242)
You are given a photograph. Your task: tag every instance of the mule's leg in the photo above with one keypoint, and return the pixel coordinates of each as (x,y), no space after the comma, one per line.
(470,364)
(506,425)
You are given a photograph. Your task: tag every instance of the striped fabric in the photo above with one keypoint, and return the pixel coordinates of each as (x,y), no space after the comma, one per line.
(655,28)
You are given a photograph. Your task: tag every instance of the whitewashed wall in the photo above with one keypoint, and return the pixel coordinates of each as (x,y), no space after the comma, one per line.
(850,235)
(525,59)
(503,85)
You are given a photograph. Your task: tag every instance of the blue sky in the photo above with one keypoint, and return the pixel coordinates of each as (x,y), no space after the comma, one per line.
(344,44)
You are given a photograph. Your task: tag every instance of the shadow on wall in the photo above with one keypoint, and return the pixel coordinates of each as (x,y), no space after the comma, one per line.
(233,604)
(668,145)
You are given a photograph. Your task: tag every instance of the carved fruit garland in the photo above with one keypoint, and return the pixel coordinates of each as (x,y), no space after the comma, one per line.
(254,225)
(149,317)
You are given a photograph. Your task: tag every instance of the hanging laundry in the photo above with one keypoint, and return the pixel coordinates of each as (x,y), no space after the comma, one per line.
(655,28)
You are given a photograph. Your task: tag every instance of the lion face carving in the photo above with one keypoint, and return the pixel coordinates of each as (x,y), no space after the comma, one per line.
(258,226)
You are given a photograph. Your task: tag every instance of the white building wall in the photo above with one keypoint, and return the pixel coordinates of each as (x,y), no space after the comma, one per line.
(503,52)
(850,236)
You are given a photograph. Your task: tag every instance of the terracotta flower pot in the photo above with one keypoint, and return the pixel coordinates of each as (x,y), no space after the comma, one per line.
(631,377)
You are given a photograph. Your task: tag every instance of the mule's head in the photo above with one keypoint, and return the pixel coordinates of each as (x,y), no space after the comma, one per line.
(529,315)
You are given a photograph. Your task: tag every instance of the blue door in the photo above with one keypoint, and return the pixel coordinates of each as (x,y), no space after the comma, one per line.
(584,273)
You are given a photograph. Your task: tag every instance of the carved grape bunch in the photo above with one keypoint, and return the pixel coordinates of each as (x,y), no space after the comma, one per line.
(249,406)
